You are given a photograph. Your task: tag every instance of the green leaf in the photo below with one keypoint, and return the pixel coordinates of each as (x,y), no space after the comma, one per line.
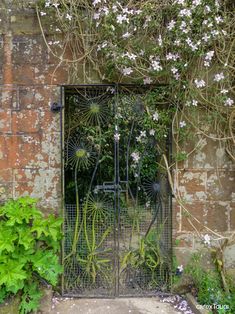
(46,264)
(12,275)
(25,237)
(40,227)
(30,300)
(7,238)
(19,211)
(3,294)
(54,225)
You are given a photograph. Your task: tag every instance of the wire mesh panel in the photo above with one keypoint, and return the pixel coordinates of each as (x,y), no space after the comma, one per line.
(117,220)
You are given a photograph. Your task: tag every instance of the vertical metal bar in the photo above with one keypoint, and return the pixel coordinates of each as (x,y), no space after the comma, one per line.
(62,101)
(169,150)
(116,204)
(118,201)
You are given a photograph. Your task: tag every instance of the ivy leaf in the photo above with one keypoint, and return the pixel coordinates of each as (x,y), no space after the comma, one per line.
(7,238)
(12,275)
(46,264)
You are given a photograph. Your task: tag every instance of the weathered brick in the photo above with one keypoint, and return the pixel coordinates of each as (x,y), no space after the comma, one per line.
(24,74)
(232,216)
(192,185)
(6,175)
(217,216)
(5,121)
(5,191)
(39,183)
(27,121)
(21,151)
(198,210)
(50,121)
(220,185)
(38,97)
(9,97)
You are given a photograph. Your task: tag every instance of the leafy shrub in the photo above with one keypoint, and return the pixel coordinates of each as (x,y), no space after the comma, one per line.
(209,286)
(29,244)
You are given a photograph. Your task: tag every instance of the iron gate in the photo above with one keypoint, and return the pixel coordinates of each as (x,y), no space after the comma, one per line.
(117,217)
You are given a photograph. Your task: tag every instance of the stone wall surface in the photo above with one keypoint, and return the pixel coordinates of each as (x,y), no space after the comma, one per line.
(30,150)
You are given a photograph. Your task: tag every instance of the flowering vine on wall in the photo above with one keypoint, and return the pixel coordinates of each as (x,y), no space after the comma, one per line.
(187,45)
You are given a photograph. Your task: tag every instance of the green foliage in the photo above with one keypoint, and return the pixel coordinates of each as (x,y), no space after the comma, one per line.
(209,286)
(28,251)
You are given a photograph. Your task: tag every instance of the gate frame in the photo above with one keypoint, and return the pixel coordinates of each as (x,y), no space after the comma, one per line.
(61,109)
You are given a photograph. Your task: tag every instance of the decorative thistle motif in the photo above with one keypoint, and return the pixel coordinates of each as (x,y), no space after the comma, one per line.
(153,189)
(79,154)
(93,112)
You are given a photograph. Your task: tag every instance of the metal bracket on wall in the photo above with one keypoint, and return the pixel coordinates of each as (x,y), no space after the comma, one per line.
(56,107)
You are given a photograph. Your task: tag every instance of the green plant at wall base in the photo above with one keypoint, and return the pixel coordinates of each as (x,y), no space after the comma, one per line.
(29,245)
(209,286)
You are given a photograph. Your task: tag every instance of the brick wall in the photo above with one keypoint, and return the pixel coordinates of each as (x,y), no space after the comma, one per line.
(30,139)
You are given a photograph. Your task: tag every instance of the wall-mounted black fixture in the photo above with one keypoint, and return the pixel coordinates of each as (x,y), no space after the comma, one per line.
(56,107)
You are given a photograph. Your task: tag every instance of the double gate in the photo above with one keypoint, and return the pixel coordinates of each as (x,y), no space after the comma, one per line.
(117,213)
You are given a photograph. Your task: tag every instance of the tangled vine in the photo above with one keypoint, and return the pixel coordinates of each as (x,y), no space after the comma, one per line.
(188,45)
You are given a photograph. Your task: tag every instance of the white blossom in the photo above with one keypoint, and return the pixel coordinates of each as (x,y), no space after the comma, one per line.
(95,2)
(131,56)
(126,35)
(224,91)
(152,132)
(180,268)
(172,56)
(68,17)
(219,77)
(43,13)
(218,19)
(185,12)
(207,9)
(174,70)
(196,2)
(171,25)
(199,83)
(55,5)
(188,103)
(160,40)
(105,10)
(207,239)
(206,37)
(127,71)
(177,76)
(182,2)
(209,55)
(147,80)
(182,124)
(96,16)
(229,102)
(156,65)
(47,4)
(135,156)
(114,8)
(117,137)
(194,102)
(155,116)
(121,18)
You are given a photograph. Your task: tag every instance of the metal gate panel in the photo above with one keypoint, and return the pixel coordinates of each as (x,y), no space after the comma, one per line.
(117,217)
